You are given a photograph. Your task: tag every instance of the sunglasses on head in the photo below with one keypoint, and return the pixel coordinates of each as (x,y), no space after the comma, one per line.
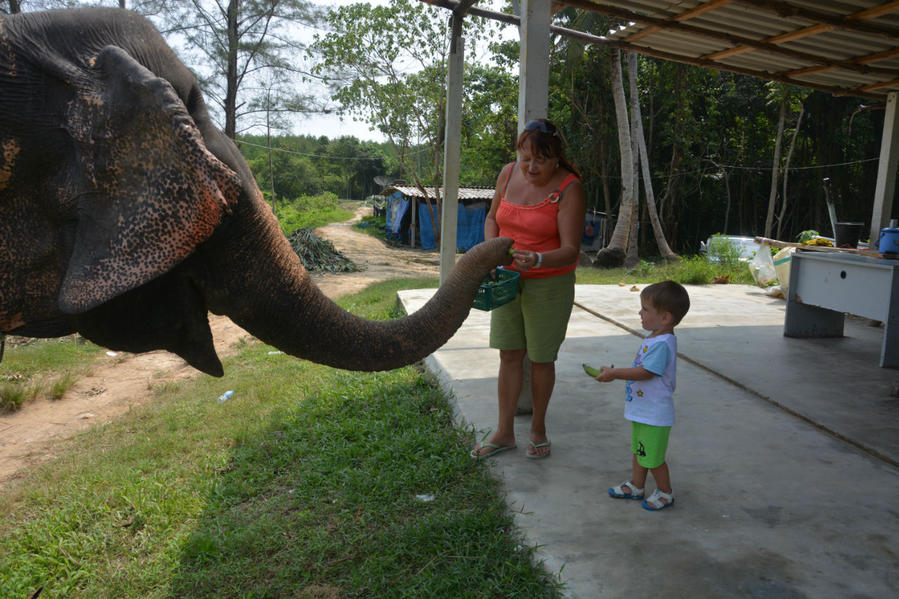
(547,128)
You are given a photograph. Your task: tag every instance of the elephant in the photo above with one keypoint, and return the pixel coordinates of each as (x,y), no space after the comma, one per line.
(127,216)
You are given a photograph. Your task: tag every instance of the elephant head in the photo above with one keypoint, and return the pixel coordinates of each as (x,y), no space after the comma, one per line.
(127,216)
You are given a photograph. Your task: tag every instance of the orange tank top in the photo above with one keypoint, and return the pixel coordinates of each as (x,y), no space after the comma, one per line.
(534,228)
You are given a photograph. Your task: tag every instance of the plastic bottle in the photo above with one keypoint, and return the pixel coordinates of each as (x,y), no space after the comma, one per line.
(226,396)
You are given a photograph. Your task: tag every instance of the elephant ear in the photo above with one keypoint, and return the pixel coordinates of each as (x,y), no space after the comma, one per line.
(148,190)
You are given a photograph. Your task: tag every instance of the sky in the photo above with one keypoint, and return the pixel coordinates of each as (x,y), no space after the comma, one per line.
(333,126)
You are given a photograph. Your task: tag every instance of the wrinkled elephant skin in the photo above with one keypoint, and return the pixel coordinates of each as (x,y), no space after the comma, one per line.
(127,216)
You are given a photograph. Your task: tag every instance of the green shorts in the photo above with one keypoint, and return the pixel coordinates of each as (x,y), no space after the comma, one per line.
(649,443)
(537,319)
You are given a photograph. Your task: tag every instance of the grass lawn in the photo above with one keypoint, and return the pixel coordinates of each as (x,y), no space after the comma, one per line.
(43,368)
(308,482)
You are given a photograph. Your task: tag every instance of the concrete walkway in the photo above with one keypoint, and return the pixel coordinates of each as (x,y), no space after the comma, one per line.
(783,459)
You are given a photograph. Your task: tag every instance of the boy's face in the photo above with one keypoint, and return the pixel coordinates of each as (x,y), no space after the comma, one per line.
(652,319)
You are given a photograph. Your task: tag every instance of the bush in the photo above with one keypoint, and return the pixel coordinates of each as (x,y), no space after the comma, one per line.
(724,250)
(310,212)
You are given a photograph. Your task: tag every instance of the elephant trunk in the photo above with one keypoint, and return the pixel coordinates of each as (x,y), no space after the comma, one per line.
(277,302)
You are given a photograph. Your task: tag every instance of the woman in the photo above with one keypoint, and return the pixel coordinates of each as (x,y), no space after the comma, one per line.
(538,202)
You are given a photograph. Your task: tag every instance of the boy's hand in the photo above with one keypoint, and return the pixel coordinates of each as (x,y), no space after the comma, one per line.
(599,373)
(606,374)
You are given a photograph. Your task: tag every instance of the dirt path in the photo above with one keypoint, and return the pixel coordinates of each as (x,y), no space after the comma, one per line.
(122,381)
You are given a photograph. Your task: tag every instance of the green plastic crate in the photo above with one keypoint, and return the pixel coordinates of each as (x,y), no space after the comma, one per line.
(493,293)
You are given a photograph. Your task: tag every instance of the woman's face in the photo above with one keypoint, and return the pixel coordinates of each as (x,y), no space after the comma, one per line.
(536,168)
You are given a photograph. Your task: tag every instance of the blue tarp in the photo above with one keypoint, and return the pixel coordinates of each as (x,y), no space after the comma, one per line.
(397,206)
(469,230)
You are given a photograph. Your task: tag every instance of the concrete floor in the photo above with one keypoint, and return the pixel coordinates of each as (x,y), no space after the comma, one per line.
(783,459)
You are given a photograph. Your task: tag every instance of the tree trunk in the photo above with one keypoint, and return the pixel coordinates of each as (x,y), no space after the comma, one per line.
(632,258)
(613,255)
(231,75)
(268,142)
(775,167)
(783,205)
(637,118)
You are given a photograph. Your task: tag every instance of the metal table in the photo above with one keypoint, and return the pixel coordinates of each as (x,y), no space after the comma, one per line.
(826,286)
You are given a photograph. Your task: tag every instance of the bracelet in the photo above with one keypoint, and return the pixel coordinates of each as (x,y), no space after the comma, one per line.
(539,260)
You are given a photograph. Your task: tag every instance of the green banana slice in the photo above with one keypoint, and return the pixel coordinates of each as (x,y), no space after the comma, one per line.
(591,371)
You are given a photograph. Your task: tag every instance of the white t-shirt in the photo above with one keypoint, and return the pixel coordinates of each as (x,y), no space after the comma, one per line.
(652,401)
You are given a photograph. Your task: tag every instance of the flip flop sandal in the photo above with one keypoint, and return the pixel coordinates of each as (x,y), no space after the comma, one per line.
(654,503)
(619,492)
(495,449)
(536,446)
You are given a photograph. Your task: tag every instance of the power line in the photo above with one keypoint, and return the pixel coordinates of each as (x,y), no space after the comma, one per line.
(754,168)
(797,168)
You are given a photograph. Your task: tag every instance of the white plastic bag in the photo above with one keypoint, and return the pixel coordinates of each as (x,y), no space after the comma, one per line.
(782,267)
(762,267)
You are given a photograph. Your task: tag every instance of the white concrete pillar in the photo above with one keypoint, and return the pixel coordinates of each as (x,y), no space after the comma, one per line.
(886,168)
(533,103)
(449,216)
(533,68)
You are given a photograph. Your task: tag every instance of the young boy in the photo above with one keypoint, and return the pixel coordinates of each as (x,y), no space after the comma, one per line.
(650,389)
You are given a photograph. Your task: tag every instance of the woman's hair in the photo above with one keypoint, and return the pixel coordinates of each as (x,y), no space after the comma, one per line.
(547,142)
(668,296)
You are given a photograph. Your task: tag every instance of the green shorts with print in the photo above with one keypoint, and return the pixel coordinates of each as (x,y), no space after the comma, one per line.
(649,443)
(537,319)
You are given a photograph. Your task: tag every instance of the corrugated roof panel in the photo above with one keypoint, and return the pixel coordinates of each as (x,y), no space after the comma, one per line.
(465,193)
(815,33)
(833,46)
(747,23)
(762,62)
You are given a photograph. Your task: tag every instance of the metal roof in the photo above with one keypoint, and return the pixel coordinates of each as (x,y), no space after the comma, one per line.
(845,47)
(465,193)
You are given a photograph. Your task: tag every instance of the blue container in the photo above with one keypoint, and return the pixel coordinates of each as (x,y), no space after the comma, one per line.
(889,241)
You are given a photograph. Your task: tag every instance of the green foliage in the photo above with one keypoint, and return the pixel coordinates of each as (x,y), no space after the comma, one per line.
(724,250)
(373,225)
(298,165)
(291,488)
(310,211)
(395,79)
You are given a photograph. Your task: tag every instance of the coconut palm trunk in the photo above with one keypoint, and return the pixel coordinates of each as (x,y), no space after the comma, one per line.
(775,166)
(614,254)
(637,118)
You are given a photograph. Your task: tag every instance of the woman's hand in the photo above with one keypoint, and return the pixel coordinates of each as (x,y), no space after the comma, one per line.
(525,259)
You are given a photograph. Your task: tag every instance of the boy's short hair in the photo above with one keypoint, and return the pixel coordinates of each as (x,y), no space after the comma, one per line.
(668,296)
